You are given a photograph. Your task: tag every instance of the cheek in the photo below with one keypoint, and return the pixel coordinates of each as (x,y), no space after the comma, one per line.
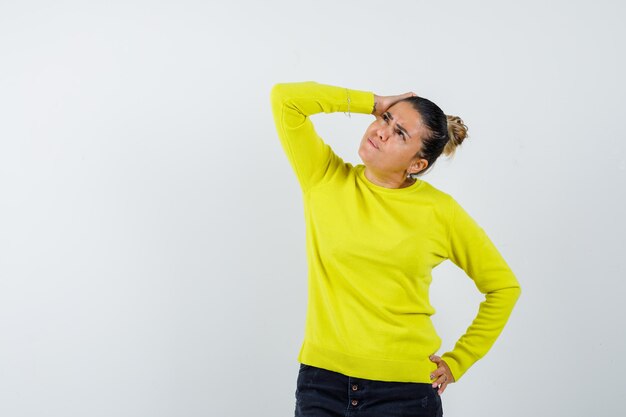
(368,134)
(399,154)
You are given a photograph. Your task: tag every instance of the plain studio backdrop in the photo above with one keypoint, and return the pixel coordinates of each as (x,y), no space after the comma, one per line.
(152,252)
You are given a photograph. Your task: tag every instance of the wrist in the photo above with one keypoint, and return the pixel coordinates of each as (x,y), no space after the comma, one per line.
(376,105)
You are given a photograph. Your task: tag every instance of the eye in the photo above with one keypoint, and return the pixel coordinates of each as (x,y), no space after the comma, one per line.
(385,117)
(399,132)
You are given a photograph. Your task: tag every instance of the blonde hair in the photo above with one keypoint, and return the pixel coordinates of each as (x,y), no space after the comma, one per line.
(457,133)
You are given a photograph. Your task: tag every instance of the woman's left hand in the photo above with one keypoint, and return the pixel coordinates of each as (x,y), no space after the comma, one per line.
(382,103)
(442,375)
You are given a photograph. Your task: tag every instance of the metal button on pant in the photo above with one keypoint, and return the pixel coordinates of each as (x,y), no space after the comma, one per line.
(325,393)
(355,397)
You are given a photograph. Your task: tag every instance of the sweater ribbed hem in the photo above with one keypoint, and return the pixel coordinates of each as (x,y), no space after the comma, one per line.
(416,370)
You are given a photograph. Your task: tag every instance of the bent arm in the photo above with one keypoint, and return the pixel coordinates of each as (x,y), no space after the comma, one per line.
(473,251)
(292,104)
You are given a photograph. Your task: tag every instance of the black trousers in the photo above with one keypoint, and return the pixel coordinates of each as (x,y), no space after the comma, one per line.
(324,393)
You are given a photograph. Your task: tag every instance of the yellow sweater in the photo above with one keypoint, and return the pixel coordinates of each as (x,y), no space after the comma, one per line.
(370,253)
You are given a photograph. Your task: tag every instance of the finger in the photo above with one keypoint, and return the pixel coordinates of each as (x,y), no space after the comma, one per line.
(442,379)
(442,388)
(437,373)
(442,383)
(435,358)
(443,365)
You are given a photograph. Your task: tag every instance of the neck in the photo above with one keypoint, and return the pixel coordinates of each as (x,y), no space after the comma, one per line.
(389,181)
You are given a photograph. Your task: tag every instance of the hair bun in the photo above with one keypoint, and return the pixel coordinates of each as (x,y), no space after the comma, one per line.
(457,131)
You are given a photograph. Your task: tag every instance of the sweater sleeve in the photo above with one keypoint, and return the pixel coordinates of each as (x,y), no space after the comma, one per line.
(292,104)
(472,250)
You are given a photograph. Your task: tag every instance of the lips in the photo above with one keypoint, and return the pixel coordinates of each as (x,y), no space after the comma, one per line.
(372,143)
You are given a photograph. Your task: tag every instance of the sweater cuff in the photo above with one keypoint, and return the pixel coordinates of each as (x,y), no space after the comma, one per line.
(454,365)
(360,101)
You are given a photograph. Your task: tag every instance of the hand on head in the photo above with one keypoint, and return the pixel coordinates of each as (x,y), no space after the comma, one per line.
(382,103)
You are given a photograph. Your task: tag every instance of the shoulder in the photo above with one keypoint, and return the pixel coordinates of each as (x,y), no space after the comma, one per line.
(444,203)
(436,193)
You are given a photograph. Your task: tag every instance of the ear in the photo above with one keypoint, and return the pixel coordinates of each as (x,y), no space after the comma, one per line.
(417,166)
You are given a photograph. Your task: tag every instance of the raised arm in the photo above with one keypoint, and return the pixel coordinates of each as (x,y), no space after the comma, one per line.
(292,103)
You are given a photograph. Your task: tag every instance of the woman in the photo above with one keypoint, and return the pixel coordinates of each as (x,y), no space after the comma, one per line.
(374,232)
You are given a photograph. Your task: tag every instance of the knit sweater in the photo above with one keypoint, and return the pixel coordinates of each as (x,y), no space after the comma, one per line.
(370,253)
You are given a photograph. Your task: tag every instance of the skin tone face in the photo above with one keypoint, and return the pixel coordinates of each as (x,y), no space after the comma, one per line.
(389,146)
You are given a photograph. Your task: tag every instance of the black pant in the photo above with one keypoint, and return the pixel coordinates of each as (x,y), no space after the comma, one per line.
(324,393)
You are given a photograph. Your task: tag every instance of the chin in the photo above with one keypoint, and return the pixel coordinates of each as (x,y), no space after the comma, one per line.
(361,153)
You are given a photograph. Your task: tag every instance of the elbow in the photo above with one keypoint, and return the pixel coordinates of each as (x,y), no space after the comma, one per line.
(278,93)
(511,293)
(282,92)
(513,288)
(517,292)
(517,288)
(277,97)
(514,292)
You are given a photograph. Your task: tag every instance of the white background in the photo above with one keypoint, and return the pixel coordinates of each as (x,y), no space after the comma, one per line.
(152,258)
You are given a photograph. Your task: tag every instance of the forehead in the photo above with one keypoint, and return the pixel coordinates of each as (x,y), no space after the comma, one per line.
(405,115)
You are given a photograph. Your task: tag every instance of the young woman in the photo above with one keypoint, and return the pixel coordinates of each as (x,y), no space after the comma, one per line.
(374,232)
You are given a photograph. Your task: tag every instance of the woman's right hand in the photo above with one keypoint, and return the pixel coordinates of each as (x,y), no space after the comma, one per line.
(382,103)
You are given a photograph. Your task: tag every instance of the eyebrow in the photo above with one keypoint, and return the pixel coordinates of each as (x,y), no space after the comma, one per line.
(397,124)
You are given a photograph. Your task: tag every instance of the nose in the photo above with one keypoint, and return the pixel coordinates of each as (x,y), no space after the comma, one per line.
(383,133)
